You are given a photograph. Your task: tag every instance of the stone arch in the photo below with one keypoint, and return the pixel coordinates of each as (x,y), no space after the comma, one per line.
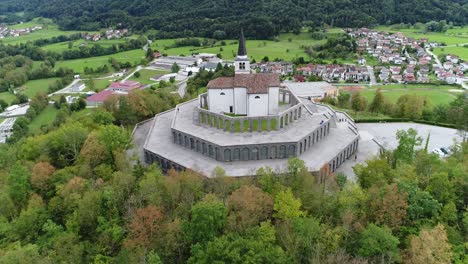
(236,154)
(292,150)
(204,149)
(227,155)
(273,153)
(305,144)
(216,153)
(286,119)
(254,154)
(282,152)
(186,140)
(300,147)
(281,121)
(309,142)
(180,140)
(198,145)
(210,151)
(245,153)
(264,154)
(192,143)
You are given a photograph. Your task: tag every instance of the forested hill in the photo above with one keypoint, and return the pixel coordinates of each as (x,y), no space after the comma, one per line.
(260,18)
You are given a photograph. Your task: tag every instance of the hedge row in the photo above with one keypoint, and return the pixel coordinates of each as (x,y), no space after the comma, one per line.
(397,120)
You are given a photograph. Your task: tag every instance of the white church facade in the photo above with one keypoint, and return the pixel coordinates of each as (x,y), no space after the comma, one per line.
(246,93)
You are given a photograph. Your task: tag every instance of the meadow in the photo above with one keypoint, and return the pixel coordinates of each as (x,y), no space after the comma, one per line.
(287,46)
(457,35)
(7,97)
(146,74)
(78,65)
(460,51)
(31,88)
(46,117)
(437,94)
(75,45)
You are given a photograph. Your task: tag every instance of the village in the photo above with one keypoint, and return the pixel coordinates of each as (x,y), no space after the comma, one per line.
(8,32)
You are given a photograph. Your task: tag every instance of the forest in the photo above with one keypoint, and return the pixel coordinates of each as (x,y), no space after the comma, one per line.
(260,19)
(73,196)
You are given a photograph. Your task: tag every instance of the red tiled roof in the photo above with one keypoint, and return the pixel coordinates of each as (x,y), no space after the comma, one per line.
(126,85)
(255,83)
(102,96)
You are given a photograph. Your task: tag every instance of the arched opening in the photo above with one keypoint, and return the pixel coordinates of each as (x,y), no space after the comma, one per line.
(245,154)
(192,143)
(210,151)
(227,155)
(264,153)
(273,152)
(198,145)
(204,148)
(292,150)
(222,93)
(236,154)
(300,148)
(282,152)
(254,153)
(180,140)
(257,97)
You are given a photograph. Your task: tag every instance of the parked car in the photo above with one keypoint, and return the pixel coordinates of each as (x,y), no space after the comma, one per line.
(438,152)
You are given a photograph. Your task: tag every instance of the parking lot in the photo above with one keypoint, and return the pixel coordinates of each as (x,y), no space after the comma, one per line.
(6,128)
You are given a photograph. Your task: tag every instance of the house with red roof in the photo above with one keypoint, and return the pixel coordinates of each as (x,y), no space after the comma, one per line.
(122,88)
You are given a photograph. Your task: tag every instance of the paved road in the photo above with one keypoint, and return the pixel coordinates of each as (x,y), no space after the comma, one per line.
(434,56)
(67,88)
(182,86)
(373,81)
(132,73)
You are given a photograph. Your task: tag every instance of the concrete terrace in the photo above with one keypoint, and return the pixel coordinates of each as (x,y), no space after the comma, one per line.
(290,133)
(160,141)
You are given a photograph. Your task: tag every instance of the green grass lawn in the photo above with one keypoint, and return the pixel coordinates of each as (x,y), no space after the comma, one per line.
(47,32)
(98,84)
(460,51)
(78,65)
(146,74)
(454,36)
(63,46)
(436,97)
(257,49)
(7,97)
(31,88)
(45,118)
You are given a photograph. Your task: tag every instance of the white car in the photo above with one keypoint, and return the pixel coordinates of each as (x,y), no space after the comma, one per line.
(438,152)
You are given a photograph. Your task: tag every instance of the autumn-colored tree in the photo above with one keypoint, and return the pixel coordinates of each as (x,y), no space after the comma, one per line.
(93,151)
(248,206)
(387,205)
(40,176)
(183,190)
(429,247)
(145,227)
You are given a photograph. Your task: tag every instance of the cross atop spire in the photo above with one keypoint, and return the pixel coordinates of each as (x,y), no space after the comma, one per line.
(242,51)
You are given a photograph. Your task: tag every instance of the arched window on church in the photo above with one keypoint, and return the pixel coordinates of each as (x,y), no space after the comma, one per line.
(227,155)
(222,93)
(257,97)
(242,66)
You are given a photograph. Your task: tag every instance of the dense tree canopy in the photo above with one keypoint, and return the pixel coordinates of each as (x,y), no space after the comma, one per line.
(219,19)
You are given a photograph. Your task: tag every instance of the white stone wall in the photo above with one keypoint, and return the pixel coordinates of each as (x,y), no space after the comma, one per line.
(258,105)
(240,101)
(273,100)
(220,103)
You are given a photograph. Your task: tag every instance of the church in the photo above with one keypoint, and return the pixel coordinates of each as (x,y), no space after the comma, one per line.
(246,122)
(246,93)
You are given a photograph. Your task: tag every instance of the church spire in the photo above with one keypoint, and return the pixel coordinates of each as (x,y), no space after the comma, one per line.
(242,51)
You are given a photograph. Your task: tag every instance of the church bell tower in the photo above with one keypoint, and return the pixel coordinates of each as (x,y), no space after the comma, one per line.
(242,62)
